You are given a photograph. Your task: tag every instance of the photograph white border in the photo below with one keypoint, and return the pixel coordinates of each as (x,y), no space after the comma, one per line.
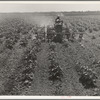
(51,2)
(49,97)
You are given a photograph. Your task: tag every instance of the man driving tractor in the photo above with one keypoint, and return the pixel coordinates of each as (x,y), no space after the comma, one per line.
(57,20)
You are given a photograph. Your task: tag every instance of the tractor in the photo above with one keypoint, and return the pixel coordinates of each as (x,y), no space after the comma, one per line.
(56,33)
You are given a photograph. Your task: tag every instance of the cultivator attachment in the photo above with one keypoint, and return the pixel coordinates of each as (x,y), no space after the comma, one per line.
(57,33)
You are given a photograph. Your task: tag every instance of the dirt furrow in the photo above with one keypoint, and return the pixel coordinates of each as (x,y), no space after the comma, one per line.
(41,85)
(70,83)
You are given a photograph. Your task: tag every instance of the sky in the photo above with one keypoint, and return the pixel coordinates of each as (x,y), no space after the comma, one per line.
(48,6)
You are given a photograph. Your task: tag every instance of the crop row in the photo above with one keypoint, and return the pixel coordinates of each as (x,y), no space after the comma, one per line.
(82,23)
(23,75)
(55,72)
(87,77)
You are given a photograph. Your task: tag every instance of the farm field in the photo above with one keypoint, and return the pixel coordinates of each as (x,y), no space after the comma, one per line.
(26,63)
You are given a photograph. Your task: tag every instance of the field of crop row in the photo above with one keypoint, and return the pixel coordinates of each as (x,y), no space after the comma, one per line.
(36,67)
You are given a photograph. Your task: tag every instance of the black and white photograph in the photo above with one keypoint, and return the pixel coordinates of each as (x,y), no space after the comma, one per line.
(50,48)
